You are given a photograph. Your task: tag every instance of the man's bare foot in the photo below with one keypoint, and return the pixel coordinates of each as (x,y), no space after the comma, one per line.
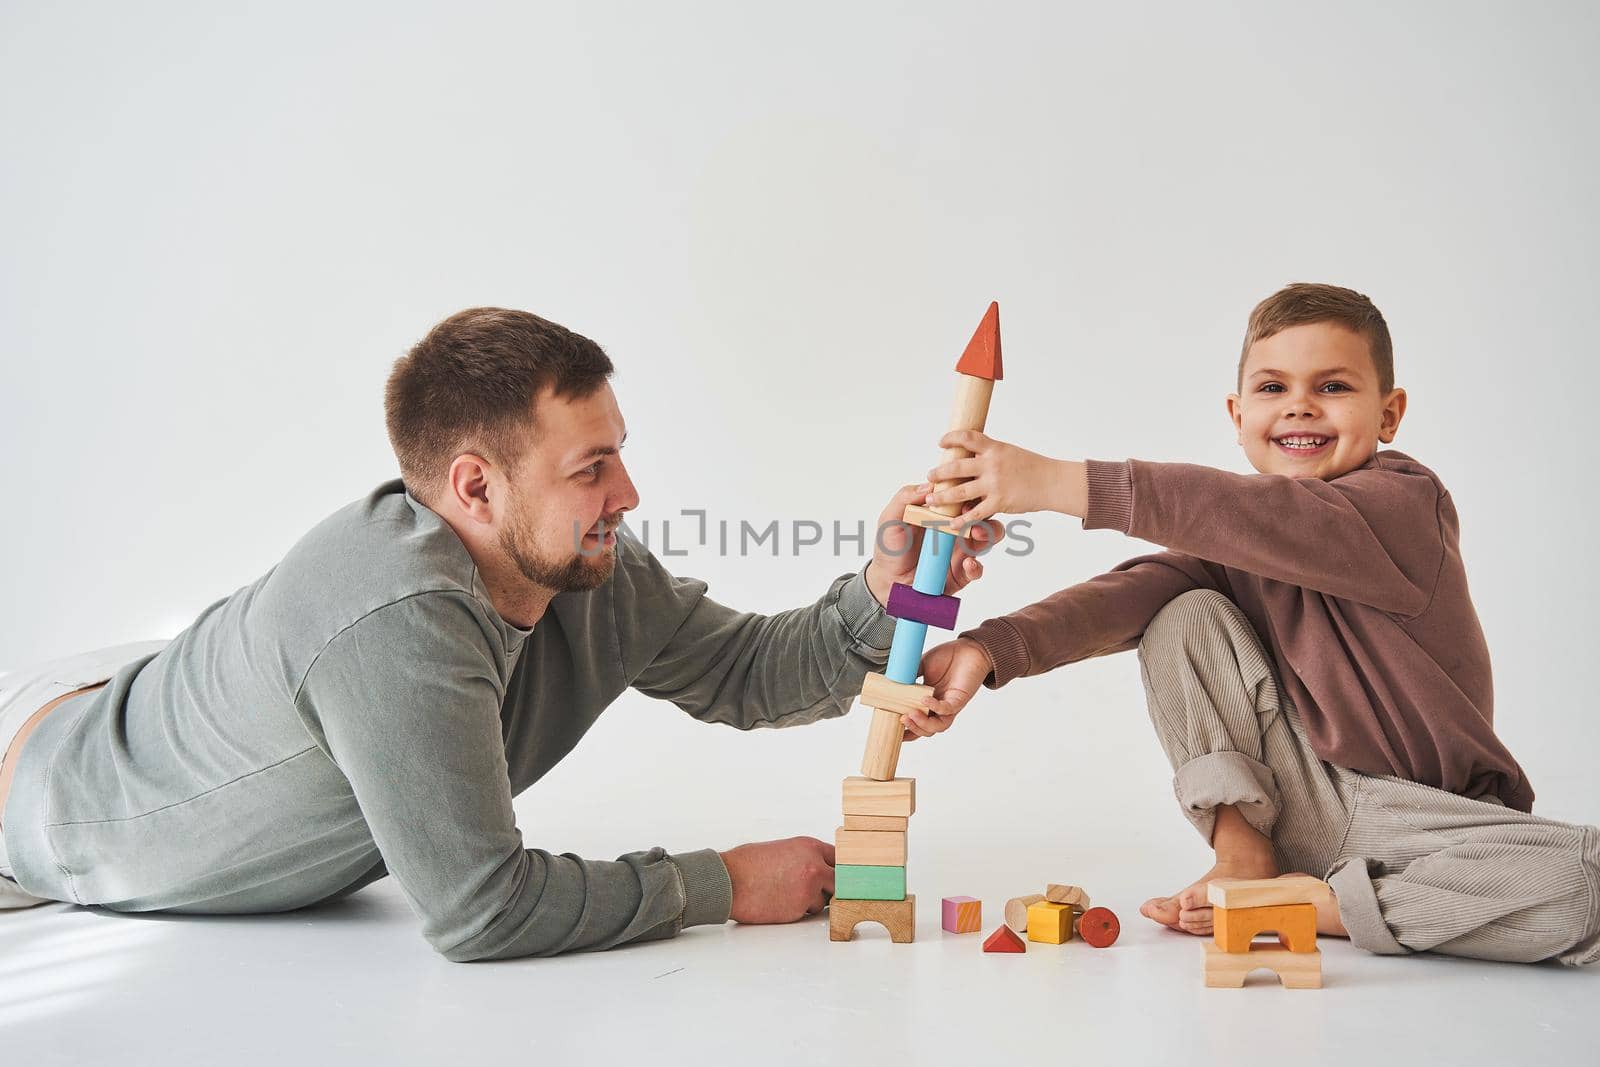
(1188,911)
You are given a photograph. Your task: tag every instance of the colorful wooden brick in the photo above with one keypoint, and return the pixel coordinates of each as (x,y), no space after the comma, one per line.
(864,796)
(866,882)
(1234,929)
(906,602)
(1099,927)
(899,917)
(961,915)
(869,848)
(1004,939)
(1050,923)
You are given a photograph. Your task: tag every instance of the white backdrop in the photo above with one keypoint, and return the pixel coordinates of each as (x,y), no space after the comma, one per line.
(220,228)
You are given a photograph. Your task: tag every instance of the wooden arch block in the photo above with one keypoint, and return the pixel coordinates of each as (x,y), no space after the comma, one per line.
(899,917)
(1296,970)
(1295,924)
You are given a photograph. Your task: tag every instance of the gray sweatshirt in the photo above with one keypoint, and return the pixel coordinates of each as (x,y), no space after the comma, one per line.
(362,709)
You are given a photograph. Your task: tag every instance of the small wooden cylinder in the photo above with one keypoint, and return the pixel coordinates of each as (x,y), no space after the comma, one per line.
(883,745)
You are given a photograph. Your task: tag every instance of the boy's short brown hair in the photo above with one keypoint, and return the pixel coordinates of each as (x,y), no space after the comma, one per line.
(470,386)
(1305,302)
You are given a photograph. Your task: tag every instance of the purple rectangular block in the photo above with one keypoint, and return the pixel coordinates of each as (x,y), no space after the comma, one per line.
(906,603)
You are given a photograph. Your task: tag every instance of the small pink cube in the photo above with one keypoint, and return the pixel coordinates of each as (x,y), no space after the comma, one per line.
(962,915)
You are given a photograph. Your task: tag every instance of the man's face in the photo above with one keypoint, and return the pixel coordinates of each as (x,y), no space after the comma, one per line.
(1309,405)
(570,482)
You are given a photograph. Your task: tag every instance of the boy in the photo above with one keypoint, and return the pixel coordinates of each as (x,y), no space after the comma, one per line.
(1311,657)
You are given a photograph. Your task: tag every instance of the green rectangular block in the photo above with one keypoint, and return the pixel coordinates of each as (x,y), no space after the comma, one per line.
(855,881)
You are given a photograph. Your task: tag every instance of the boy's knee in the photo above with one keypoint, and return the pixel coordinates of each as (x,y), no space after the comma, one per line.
(1189,618)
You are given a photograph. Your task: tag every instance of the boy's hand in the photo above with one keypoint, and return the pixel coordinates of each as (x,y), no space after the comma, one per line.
(955,669)
(779,881)
(1002,478)
(896,547)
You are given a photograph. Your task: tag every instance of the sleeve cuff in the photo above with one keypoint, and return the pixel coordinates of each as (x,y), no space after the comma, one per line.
(1110,496)
(1008,653)
(707,889)
(864,618)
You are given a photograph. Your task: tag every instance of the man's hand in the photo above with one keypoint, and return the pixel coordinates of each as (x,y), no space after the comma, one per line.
(955,669)
(780,881)
(896,547)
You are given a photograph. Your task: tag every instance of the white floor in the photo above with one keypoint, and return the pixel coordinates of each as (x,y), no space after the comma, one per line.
(354,983)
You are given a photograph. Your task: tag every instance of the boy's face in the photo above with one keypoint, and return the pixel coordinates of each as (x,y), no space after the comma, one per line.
(1309,405)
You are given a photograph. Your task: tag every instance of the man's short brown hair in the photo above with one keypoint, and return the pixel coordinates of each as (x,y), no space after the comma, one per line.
(470,386)
(1306,302)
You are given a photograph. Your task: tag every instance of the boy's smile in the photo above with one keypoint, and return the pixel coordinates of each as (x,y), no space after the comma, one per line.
(1310,403)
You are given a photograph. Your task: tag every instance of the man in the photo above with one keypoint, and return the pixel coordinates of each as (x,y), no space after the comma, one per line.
(372,704)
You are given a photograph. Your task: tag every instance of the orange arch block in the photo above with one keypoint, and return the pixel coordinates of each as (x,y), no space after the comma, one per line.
(1295,925)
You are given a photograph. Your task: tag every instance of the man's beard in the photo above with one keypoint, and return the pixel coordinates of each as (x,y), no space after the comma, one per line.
(576,573)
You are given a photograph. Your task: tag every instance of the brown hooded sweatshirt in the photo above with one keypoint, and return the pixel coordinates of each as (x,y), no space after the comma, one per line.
(1355,585)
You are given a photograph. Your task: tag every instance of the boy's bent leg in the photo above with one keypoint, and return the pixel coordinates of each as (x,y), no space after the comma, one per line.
(1229,732)
(1426,870)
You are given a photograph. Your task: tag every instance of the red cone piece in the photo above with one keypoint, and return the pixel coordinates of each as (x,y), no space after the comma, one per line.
(982,357)
(1004,940)
(1099,927)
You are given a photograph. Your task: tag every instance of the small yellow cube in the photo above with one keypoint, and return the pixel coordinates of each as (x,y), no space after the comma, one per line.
(1050,923)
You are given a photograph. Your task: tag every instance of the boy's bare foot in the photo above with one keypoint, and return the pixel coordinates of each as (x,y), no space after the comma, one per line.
(1190,913)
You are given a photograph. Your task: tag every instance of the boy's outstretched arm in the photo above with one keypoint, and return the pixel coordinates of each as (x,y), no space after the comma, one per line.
(1376,535)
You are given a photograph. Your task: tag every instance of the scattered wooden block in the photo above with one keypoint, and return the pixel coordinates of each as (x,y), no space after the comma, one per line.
(852,881)
(1296,970)
(1017,911)
(898,697)
(961,915)
(1004,940)
(1234,929)
(1067,894)
(1050,923)
(876,822)
(899,917)
(869,848)
(1099,927)
(881,758)
(927,518)
(864,796)
(1265,892)
(906,602)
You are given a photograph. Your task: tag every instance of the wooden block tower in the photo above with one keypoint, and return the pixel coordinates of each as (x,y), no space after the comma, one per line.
(870,848)
(1244,908)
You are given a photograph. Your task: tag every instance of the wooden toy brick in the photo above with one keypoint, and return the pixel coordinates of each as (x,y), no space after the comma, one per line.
(863,796)
(961,915)
(1017,911)
(876,822)
(1099,927)
(868,882)
(898,697)
(1050,923)
(905,602)
(1234,929)
(1004,940)
(927,518)
(881,758)
(899,917)
(1067,894)
(1296,970)
(1265,892)
(869,848)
